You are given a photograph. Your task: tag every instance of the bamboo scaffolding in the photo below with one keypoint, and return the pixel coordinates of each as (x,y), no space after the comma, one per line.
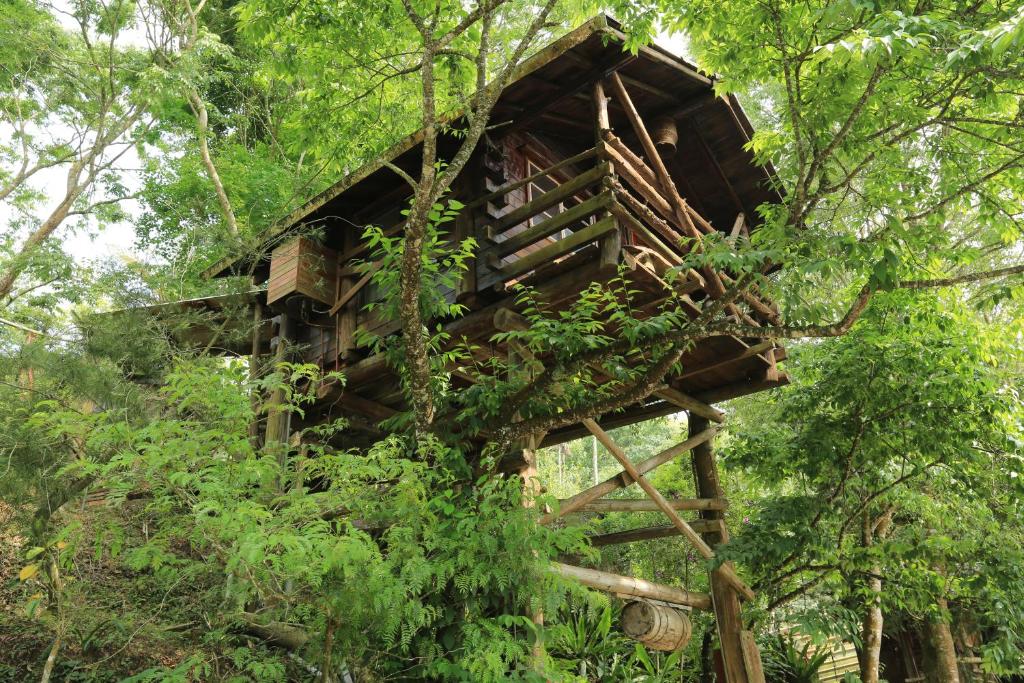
(623,478)
(725,571)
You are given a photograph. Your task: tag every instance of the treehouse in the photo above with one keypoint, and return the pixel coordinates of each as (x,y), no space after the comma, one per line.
(559,194)
(595,159)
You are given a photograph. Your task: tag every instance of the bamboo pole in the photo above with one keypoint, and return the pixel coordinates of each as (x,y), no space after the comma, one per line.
(628,585)
(649,533)
(695,539)
(647,505)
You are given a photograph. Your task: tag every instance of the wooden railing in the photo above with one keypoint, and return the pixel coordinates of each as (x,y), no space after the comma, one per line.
(612,199)
(606,197)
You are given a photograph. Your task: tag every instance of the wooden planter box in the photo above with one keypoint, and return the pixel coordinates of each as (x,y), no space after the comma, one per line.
(301,266)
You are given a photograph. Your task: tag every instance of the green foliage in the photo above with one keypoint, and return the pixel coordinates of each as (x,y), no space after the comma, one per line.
(788,661)
(913,415)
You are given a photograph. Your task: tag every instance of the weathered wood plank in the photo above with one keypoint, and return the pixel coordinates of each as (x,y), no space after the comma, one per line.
(515,185)
(550,198)
(552,225)
(559,248)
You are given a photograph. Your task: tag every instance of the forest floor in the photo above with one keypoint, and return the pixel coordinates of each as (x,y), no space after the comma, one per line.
(114,622)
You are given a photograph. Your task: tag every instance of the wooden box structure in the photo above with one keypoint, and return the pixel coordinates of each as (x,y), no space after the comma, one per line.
(301,266)
(597,158)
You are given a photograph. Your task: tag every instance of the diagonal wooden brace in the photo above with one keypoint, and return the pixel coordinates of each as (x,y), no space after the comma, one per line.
(725,571)
(624,479)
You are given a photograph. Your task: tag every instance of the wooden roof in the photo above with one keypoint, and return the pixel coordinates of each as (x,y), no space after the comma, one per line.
(550,98)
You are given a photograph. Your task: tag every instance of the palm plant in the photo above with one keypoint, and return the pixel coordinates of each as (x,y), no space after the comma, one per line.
(786,661)
(586,638)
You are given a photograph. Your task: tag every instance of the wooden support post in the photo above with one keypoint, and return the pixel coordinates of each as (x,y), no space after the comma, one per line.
(348,316)
(726,601)
(518,365)
(278,419)
(254,368)
(611,245)
(531,489)
(724,570)
(601,109)
(465,228)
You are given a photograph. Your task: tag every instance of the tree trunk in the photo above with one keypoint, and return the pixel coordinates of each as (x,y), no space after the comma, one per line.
(943,667)
(871,634)
(203,128)
(51,660)
(872,622)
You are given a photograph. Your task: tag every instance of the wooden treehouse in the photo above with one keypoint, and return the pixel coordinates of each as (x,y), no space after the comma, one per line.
(596,158)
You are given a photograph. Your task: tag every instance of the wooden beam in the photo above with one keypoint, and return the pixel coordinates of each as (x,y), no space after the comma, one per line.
(556,249)
(751,657)
(660,171)
(628,585)
(364,406)
(617,147)
(553,224)
(716,288)
(741,388)
(737,227)
(655,242)
(619,151)
(748,352)
(690,404)
(737,201)
(550,198)
(647,505)
(354,289)
(623,479)
(566,121)
(648,88)
(601,109)
(569,90)
(724,570)
(638,183)
(649,533)
(728,620)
